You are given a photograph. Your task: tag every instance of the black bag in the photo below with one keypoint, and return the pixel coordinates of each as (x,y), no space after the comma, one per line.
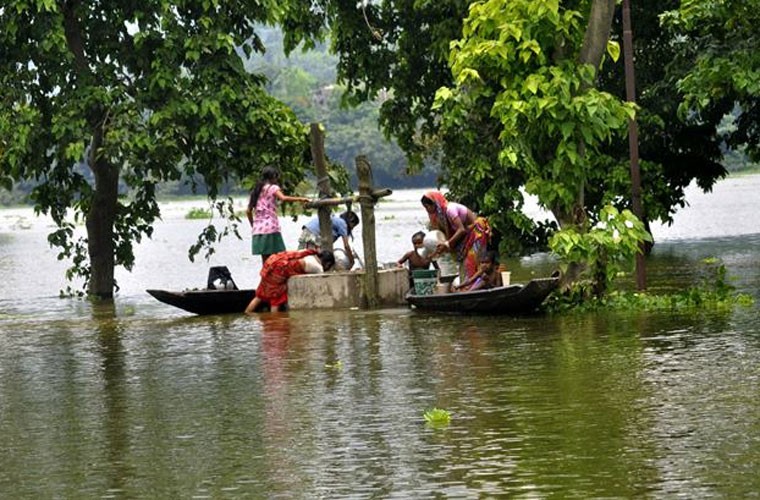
(219,278)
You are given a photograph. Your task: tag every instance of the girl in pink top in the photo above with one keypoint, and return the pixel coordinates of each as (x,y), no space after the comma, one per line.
(262,214)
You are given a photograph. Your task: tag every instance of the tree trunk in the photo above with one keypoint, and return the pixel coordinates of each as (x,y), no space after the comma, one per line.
(594,45)
(100,229)
(102,213)
(597,32)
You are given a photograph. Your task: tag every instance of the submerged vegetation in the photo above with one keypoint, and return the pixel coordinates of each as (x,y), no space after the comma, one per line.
(714,291)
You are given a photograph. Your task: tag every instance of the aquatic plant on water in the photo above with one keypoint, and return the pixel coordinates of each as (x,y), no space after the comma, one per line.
(437,417)
(338,365)
(198,213)
(714,292)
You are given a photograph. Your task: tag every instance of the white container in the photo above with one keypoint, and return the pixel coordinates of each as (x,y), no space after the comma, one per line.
(505,276)
(432,240)
(341,260)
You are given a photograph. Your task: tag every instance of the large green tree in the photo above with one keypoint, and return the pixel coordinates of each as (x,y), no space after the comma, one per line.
(530,69)
(403,47)
(102,100)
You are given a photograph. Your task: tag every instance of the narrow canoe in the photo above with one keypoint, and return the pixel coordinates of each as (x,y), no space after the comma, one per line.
(514,299)
(206,301)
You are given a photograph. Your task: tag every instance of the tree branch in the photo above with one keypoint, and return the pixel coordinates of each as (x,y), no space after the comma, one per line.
(74,37)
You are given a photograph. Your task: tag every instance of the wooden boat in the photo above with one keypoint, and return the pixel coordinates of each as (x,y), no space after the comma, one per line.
(221,295)
(514,299)
(206,301)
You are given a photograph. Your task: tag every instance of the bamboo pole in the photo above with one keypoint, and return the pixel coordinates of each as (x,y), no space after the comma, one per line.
(367,201)
(323,183)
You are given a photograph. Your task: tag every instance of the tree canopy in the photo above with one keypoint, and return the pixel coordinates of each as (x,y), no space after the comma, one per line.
(673,152)
(726,67)
(136,94)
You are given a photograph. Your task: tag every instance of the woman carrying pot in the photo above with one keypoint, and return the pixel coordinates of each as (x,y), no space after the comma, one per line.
(467,234)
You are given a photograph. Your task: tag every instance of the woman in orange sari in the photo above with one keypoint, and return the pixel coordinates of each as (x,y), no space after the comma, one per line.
(467,234)
(279,267)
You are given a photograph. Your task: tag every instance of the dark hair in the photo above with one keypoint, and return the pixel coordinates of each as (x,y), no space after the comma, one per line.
(327,258)
(491,255)
(268,175)
(427,201)
(352,220)
(418,235)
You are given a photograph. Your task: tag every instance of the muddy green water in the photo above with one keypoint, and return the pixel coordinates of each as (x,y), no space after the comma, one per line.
(145,401)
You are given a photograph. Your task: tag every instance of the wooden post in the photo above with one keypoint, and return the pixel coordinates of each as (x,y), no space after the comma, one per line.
(633,138)
(323,183)
(367,201)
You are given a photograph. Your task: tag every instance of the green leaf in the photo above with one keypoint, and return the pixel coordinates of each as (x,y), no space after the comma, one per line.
(613,49)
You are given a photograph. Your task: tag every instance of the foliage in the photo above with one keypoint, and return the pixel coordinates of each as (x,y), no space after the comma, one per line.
(673,153)
(305,81)
(98,100)
(551,121)
(714,292)
(608,247)
(727,67)
(401,49)
(337,365)
(394,48)
(436,417)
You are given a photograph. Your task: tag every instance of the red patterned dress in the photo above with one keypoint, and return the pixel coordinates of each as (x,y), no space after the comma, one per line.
(275,274)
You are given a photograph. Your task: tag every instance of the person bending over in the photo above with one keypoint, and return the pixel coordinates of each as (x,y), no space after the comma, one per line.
(277,270)
(342,227)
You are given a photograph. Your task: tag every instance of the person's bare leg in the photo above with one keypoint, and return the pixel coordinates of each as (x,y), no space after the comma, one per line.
(253,305)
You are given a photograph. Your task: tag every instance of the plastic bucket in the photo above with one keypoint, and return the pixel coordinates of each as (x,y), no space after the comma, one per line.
(424,273)
(424,281)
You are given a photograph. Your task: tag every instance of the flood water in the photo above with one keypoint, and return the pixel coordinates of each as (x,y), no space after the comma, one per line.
(141,400)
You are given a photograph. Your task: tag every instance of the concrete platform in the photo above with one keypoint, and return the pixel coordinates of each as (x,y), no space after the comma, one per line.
(344,290)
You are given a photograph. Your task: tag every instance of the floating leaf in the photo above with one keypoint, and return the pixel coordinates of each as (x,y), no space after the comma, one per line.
(437,417)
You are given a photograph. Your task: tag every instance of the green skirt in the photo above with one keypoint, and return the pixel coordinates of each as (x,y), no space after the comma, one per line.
(267,244)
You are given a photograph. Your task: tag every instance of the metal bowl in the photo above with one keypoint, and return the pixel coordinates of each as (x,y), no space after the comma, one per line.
(342,263)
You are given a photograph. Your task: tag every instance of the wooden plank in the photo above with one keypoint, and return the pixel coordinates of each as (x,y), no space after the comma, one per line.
(332,202)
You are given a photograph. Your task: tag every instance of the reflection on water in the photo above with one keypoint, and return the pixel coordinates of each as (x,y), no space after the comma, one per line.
(594,405)
(147,401)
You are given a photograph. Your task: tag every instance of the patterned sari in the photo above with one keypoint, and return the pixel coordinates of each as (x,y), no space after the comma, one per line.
(275,274)
(471,247)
